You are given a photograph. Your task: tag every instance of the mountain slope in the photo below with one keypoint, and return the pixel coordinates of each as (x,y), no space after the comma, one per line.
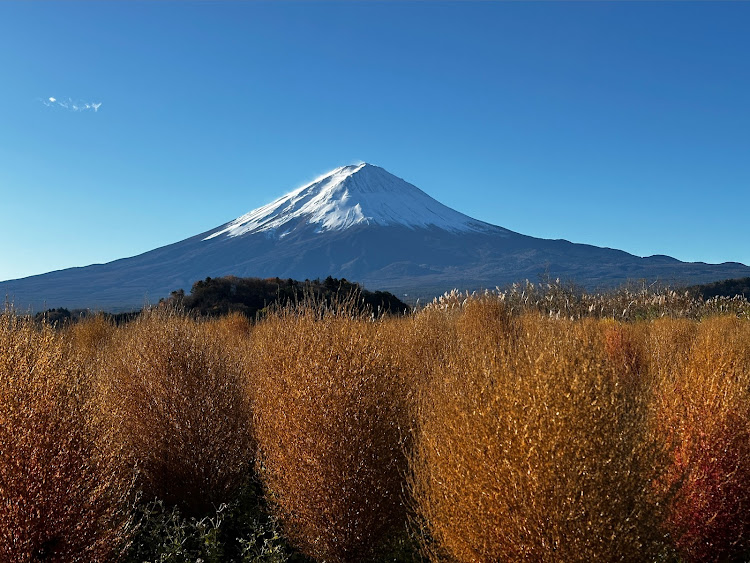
(349,196)
(361,223)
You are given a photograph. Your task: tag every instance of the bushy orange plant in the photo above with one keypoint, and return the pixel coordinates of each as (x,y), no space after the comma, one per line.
(60,499)
(328,405)
(235,327)
(625,345)
(90,335)
(704,417)
(532,445)
(171,394)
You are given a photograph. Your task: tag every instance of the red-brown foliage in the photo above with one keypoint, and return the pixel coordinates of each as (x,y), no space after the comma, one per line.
(704,416)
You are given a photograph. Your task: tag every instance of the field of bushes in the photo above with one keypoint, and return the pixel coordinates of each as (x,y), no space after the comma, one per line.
(533,424)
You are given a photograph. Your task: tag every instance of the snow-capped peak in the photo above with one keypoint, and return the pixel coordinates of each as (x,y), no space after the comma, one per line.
(358,194)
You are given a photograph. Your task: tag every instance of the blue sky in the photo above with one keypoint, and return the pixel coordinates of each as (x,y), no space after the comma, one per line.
(620,124)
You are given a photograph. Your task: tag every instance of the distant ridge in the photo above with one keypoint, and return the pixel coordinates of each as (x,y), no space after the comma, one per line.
(362,223)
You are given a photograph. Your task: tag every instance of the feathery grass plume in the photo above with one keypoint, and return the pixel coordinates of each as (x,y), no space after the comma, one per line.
(171,394)
(60,498)
(532,445)
(328,416)
(704,414)
(630,302)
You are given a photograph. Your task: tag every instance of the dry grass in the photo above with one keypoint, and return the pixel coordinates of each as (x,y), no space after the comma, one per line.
(630,303)
(522,425)
(704,414)
(89,336)
(171,395)
(533,444)
(328,410)
(60,499)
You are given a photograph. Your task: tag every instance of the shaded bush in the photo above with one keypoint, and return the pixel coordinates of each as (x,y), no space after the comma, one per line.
(239,531)
(60,498)
(171,394)
(329,406)
(625,345)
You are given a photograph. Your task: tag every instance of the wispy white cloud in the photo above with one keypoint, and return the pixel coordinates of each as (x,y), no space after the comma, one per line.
(71,105)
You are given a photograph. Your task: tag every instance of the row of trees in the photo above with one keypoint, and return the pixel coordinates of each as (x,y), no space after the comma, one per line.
(253,297)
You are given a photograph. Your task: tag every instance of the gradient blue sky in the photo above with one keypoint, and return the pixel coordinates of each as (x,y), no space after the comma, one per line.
(617,124)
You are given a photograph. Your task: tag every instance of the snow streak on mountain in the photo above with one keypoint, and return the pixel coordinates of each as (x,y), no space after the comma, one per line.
(360,194)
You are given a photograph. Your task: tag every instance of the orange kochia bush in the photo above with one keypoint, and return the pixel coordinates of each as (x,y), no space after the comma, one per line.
(329,418)
(533,443)
(61,498)
(704,416)
(171,395)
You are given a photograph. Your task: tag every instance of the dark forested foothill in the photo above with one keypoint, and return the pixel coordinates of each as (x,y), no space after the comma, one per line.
(724,288)
(61,316)
(253,296)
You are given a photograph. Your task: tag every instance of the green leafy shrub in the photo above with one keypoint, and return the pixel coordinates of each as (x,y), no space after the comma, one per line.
(239,531)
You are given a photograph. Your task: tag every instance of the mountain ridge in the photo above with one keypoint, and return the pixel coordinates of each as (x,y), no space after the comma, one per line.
(361,223)
(380,198)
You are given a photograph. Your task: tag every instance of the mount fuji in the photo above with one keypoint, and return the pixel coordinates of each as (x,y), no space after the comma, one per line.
(362,223)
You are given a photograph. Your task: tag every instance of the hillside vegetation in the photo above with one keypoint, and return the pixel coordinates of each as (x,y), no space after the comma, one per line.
(535,424)
(253,297)
(724,288)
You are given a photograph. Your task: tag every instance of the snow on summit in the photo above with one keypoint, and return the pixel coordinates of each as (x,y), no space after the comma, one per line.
(358,194)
